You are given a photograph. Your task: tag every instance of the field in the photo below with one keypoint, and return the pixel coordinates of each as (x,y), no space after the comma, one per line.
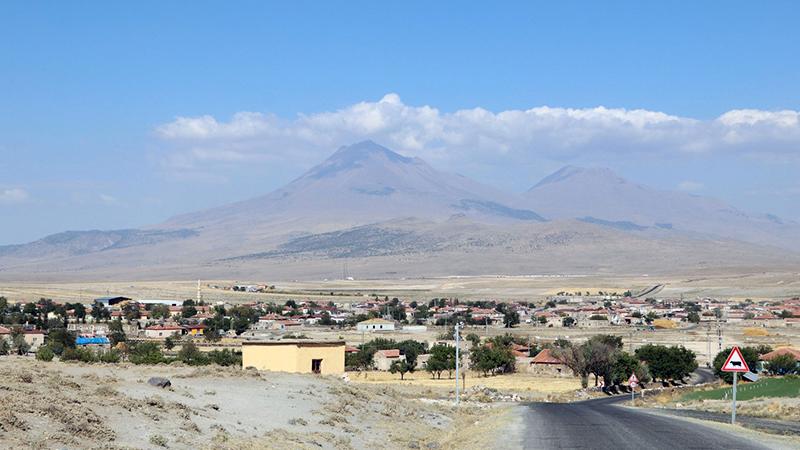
(526,385)
(764,388)
(760,285)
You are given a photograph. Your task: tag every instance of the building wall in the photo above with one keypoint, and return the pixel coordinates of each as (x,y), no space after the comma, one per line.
(375,327)
(549,370)
(294,358)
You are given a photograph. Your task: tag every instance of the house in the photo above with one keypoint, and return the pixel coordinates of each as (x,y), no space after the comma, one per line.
(375,325)
(780,351)
(383,359)
(162,331)
(92,341)
(296,356)
(286,325)
(195,330)
(545,364)
(111,301)
(34,338)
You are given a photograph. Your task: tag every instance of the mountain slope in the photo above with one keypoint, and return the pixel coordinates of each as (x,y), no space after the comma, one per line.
(359,184)
(602,197)
(391,215)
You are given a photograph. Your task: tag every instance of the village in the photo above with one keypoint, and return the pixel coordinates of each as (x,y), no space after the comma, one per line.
(393,335)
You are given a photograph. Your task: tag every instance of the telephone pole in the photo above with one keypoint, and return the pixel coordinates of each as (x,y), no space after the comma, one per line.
(457,336)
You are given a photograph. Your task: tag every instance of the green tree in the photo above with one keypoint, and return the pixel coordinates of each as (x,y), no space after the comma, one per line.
(667,363)
(325,319)
(191,355)
(411,350)
(169,343)
(18,343)
(750,355)
(694,317)
(146,353)
(188,311)
(160,312)
(784,364)
(442,358)
(400,367)
(130,311)
(60,339)
(225,357)
(45,353)
(4,347)
(474,339)
(510,318)
(116,333)
(100,312)
(625,365)
(492,359)
(568,321)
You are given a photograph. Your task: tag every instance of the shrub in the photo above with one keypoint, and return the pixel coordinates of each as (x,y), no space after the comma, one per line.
(147,353)
(191,355)
(111,356)
(79,354)
(45,353)
(225,357)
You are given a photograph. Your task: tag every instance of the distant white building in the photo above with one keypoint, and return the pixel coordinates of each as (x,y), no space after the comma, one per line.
(375,325)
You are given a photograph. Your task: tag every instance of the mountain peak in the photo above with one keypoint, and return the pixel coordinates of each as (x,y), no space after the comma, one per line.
(353,156)
(575,172)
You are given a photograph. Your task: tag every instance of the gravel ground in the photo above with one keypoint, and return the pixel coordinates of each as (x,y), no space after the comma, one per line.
(65,405)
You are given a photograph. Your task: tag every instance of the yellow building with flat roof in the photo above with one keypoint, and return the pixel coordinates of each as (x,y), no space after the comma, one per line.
(297,356)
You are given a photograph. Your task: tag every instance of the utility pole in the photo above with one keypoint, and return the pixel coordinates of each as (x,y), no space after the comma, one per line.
(457,336)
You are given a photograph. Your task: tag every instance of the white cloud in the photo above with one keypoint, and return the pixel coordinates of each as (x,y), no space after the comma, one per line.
(690,186)
(109,200)
(513,136)
(13,196)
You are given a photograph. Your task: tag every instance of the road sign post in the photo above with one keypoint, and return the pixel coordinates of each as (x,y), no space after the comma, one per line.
(735,364)
(633,382)
(733,409)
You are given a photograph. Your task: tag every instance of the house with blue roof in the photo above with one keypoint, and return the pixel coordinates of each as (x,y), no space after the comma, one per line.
(93,341)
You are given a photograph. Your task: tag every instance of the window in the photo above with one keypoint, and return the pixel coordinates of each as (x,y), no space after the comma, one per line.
(316,365)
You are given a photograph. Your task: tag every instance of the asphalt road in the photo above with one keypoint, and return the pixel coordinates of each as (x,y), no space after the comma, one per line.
(603,424)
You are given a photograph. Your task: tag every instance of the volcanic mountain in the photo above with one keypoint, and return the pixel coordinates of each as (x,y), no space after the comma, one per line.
(389,215)
(359,184)
(601,196)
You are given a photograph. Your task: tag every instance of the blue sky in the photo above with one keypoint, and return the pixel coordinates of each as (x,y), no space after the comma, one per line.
(116,116)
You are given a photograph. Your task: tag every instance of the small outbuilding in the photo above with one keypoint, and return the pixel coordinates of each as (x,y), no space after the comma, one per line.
(296,356)
(546,364)
(383,359)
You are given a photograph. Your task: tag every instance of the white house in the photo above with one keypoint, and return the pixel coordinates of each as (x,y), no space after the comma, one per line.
(375,325)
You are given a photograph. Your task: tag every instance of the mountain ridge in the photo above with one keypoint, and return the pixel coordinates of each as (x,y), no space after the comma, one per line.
(368,202)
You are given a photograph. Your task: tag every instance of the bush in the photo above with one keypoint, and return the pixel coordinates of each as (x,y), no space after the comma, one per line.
(45,353)
(111,356)
(191,355)
(79,354)
(225,358)
(785,364)
(147,353)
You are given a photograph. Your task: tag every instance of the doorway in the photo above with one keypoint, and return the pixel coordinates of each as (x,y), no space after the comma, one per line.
(316,365)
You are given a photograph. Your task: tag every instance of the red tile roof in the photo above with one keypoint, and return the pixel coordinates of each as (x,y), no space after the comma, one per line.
(781,351)
(394,353)
(545,357)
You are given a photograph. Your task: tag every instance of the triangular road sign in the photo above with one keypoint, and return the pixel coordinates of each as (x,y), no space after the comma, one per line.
(735,362)
(633,381)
